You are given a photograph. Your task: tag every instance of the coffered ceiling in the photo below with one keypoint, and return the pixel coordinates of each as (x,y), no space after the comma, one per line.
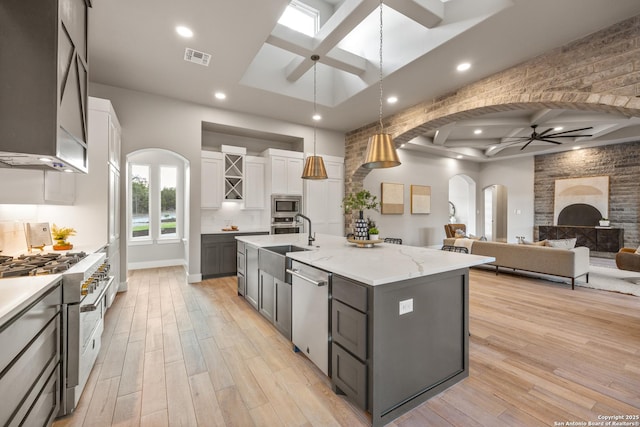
(265,68)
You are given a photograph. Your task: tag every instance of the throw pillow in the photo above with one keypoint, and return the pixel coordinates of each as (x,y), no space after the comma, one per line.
(460,233)
(540,243)
(562,243)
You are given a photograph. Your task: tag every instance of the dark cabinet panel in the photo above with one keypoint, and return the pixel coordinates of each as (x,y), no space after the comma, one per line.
(228,259)
(595,238)
(349,375)
(349,329)
(266,302)
(210,260)
(282,319)
(219,254)
(252,276)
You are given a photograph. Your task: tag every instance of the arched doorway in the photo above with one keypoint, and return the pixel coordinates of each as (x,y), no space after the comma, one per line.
(495,213)
(157,214)
(462,199)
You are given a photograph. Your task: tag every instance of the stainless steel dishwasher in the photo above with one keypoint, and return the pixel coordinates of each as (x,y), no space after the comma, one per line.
(310,312)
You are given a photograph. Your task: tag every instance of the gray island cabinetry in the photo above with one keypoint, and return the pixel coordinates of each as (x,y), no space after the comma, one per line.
(218,253)
(399,319)
(30,353)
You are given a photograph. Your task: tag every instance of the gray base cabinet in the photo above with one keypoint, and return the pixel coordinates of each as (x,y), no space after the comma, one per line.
(266,302)
(30,379)
(252,276)
(219,254)
(388,363)
(282,319)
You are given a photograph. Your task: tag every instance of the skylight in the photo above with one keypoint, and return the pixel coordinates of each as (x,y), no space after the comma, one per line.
(301,18)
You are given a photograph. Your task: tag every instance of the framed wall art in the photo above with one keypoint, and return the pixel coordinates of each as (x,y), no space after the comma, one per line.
(420,199)
(392,198)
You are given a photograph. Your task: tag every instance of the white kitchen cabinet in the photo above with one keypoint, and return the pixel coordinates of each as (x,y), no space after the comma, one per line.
(114,203)
(234,185)
(284,171)
(323,198)
(211,180)
(254,170)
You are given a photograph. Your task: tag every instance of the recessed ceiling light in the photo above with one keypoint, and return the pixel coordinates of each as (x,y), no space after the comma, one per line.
(45,159)
(477,131)
(459,156)
(402,145)
(463,66)
(577,147)
(220,95)
(316,117)
(392,99)
(557,128)
(184,31)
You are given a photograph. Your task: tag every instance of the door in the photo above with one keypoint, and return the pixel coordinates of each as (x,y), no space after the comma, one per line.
(267,296)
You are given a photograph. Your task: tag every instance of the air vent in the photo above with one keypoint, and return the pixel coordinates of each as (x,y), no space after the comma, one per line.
(197,57)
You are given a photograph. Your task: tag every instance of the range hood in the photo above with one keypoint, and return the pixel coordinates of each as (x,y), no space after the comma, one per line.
(64,154)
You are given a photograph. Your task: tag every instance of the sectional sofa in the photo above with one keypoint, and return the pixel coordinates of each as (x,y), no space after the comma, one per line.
(569,263)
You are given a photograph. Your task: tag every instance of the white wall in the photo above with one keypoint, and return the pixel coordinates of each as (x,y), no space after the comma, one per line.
(151,121)
(418,169)
(517,175)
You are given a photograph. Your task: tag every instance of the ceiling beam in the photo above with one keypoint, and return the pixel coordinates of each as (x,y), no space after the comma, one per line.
(428,13)
(543,116)
(443,133)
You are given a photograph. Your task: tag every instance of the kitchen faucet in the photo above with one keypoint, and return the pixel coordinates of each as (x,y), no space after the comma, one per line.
(311,238)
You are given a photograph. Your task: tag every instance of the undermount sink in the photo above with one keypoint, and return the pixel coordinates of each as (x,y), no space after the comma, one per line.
(282,250)
(272,260)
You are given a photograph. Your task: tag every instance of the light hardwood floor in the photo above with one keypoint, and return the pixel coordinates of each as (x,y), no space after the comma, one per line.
(181,354)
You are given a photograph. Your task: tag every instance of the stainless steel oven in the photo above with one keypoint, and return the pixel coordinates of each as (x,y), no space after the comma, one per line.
(283,205)
(286,229)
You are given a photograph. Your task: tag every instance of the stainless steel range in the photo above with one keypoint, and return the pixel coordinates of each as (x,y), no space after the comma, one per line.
(85,282)
(84,287)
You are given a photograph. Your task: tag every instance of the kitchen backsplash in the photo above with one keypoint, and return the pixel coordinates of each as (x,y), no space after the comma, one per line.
(232,212)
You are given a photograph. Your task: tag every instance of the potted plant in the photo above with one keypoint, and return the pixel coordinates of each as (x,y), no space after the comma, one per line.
(360,201)
(604,222)
(60,235)
(374,234)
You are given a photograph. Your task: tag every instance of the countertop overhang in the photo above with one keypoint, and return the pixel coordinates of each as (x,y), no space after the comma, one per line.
(381,264)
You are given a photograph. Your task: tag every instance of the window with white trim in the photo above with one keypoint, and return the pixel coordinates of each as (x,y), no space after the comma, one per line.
(140,201)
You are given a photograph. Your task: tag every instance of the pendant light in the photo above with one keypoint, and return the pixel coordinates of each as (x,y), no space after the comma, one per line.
(314,166)
(381,150)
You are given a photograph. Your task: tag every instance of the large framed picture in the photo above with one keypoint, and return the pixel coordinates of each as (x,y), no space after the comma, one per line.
(392,198)
(420,199)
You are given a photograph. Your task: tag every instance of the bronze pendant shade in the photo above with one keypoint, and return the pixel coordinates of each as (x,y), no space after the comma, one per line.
(314,165)
(381,152)
(314,168)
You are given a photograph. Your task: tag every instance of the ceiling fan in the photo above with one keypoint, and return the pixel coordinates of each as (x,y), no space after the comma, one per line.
(545,136)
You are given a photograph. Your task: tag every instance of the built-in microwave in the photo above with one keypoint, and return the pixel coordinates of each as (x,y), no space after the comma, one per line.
(285,205)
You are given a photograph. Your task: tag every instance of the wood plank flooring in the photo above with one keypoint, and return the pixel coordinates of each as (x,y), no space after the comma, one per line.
(181,354)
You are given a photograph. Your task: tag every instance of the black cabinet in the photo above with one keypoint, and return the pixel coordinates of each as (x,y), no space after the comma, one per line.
(44,63)
(282,319)
(219,254)
(595,238)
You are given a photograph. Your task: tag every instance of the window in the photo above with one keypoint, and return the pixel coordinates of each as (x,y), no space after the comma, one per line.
(139,201)
(301,18)
(168,178)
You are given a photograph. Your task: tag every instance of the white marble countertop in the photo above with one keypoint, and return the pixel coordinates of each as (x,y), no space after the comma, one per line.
(383,263)
(17,293)
(218,230)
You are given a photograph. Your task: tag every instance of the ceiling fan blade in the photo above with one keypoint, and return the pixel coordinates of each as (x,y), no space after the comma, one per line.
(569,131)
(545,132)
(528,142)
(517,137)
(549,140)
(566,136)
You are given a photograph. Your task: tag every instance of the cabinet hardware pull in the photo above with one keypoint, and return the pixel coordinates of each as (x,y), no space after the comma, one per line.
(294,272)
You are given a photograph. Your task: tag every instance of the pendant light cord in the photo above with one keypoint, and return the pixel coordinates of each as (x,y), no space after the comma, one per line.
(315,111)
(380,117)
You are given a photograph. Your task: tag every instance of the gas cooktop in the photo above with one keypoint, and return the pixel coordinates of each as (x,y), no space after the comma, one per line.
(37,264)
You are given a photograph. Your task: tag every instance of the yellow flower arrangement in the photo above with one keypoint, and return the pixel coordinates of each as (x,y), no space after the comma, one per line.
(60,235)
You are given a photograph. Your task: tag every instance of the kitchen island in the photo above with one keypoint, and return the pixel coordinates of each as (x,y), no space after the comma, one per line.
(398,321)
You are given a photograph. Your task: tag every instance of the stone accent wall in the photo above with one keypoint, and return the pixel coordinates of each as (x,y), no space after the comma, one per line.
(600,72)
(620,162)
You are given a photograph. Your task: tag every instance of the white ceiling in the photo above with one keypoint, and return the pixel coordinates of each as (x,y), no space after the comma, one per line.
(264,68)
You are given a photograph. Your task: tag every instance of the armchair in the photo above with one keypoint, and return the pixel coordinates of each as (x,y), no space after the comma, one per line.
(628,259)
(450,229)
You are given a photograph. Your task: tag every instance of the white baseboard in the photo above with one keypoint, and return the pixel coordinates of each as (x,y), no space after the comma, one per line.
(155,264)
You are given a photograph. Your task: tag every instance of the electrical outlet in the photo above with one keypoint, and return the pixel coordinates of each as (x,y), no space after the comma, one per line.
(406,306)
